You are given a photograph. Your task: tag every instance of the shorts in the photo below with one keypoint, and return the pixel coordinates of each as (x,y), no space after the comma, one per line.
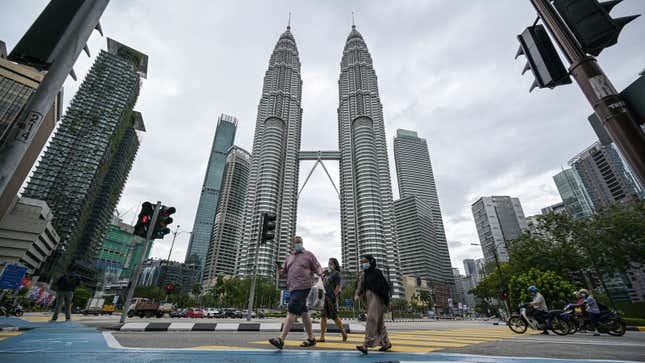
(298,301)
(329,309)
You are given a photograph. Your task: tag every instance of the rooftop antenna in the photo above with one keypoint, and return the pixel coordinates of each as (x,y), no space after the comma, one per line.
(289,23)
(353,23)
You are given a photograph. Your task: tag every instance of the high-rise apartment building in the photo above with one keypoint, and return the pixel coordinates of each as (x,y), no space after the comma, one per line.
(419,209)
(573,193)
(121,250)
(273,181)
(604,175)
(84,169)
(229,219)
(499,219)
(207,207)
(17,83)
(367,213)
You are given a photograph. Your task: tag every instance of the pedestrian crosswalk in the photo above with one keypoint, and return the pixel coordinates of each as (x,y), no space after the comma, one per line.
(408,341)
(4,335)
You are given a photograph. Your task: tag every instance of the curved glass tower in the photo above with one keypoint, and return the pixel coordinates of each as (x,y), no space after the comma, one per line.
(367,224)
(273,182)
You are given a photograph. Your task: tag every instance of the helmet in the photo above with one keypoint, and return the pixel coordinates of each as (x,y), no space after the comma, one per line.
(533,289)
(584,291)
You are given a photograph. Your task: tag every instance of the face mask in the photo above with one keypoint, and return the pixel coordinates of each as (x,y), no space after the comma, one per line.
(330,267)
(298,246)
(365,266)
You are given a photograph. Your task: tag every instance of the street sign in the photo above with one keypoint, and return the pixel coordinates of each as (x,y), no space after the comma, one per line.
(349,303)
(11,276)
(284,297)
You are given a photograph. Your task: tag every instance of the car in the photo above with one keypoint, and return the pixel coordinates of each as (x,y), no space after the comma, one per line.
(179,313)
(195,313)
(212,313)
(229,313)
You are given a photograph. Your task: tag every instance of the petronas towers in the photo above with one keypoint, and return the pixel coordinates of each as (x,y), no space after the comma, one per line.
(367,221)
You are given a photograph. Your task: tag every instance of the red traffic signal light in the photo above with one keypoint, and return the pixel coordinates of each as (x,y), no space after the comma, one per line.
(505,294)
(143,220)
(169,288)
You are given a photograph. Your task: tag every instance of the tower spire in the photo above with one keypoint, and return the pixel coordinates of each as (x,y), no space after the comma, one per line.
(289,22)
(353,23)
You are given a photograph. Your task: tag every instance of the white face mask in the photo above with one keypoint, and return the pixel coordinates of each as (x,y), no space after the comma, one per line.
(365,266)
(298,247)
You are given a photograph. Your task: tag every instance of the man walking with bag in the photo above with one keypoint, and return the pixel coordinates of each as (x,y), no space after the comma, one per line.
(300,267)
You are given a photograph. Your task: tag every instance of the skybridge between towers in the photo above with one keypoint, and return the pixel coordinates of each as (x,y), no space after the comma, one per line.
(318,157)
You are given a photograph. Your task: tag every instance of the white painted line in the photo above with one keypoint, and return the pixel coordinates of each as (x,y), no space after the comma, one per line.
(134,327)
(111,340)
(270,326)
(10,328)
(226,326)
(356,328)
(181,326)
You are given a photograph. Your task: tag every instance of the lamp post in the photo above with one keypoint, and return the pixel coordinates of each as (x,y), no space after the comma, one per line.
(174,235)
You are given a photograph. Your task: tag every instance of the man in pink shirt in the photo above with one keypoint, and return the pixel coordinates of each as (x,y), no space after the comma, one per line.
(300,267)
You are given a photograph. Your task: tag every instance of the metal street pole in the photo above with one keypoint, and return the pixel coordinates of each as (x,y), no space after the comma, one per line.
(607,103)
(13,167)
(134,278)
(255,270)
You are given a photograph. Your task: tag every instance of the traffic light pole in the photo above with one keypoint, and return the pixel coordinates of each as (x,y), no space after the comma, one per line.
(607,103)
(137,271)
(255,270)
(14,163)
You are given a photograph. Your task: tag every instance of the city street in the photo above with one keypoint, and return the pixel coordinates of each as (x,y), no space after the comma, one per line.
(88,339)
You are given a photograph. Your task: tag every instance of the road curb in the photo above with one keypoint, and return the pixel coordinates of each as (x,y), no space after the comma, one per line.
(635,328)
(249,327)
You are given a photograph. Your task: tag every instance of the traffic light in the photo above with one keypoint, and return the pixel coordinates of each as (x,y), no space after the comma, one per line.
(542,59)
(169,289)
(591,24)
(143,220)
(268,227)
(163,220)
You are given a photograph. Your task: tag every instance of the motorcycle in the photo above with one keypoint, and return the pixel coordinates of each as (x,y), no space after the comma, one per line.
(572,314)
(11,310)
(609,321)
(519,323)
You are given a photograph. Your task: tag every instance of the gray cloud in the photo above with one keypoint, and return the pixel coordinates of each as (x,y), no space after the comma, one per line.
(445,68)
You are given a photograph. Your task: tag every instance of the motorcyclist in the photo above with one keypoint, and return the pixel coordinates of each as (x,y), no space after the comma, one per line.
(541,312)
(592,310)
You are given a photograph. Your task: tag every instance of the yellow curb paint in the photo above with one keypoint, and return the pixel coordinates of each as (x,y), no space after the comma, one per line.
(640,328)
(221,347)
(400,341)
(9,333)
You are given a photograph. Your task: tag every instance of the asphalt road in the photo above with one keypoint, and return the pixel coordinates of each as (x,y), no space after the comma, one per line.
(444,341)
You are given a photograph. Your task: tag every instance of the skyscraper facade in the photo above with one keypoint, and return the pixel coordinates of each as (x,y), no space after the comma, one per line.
(229,219)
(273,181)
(83,171)
(573,193)
(207,207)
(416,181)
(421,253)
(367,220)
(604,175)
(499,219)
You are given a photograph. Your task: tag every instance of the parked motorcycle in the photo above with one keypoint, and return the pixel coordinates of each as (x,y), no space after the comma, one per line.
(11,310)
(519,323)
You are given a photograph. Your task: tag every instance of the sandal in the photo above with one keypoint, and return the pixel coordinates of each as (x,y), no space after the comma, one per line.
(321,340)
(385,348)
(362,348)
(344,336)
(277,342)
(308,343)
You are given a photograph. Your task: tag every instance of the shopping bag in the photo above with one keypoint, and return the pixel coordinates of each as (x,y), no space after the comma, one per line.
(316,297)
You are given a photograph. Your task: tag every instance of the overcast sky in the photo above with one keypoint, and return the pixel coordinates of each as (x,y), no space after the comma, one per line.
(445,68)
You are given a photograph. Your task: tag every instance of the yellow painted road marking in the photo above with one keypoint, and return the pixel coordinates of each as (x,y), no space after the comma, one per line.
(443,339)
(400,341)
(9,333)
(350,346)
(221,347)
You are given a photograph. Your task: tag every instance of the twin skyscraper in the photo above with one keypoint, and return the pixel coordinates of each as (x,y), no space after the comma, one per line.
(366,204)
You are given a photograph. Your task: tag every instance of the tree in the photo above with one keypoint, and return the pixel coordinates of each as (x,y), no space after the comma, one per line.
(426,298)
(81,295)
(557,291)
(196,289)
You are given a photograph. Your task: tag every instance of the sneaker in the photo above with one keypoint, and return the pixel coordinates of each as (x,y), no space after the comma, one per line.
(362,349)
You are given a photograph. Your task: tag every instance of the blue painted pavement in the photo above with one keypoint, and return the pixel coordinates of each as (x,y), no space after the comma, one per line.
(73,342)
